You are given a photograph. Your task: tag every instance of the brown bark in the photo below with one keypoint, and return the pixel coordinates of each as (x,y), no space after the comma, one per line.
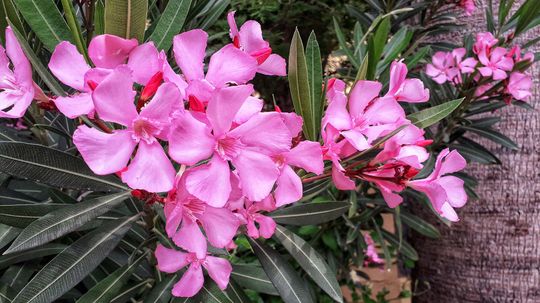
(493,253)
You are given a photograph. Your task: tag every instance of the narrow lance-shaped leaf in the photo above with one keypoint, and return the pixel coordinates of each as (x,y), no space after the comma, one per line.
(376,46)
(126,18)
(419,225)
(78,260)
(492,135)
(311,261)
(21,215)
(63,221)
(170,23)
(236,293)
(290,286)
(74,27)
(45,20)
(314,68)
(406,249)
(432,115)
(53,167)
(343,44)
(310,213)
(253,277)
(45,250)
(161,292)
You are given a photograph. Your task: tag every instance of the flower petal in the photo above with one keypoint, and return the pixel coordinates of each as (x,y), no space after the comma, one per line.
(104,153)
(190,283)
(166,100)
(170,260)
(190,238)
(68,65)
(109,51)
(249,108)
(76,105)
(220,225)
(189,51)
(224,106)
(21,65)
(230,64)
(257,173)
(274,65)
(144,61)
(219,270)
(289,187)
(210,182)
(307,155)
(190,140)
(361,95)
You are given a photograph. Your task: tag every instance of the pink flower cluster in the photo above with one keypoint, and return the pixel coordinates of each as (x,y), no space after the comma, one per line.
(489,65)
(354,122)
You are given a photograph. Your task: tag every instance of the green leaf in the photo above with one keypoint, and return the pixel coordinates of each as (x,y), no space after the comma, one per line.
(492,135)
(527,13)
(78,260)
(161,292)
(41,70)
(419,225)
(343,44)
(299,85)
(432,115)
(310,213)
(362,71)
(63,221)
(22,215)
(45,20)
(314,69)
(99,17)
(74,27)
(253,277)
(376,46)
(473,151)
(406,249)
(108,288)
(311,261)
(53,167)
(45,250)
(126,18)
(7,234)
(170,23)
(290,286)
(12,14)
(210,293)
(236,293)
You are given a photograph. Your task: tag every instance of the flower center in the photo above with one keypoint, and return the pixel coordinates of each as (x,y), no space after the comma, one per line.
(229,148)
(145,129)
(193,207)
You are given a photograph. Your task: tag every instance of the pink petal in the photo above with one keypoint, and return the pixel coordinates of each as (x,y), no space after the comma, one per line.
(453,162)
(190,283)
(109,51)
(455,191)
(356,139)
(251,106)
(190,140)
(232,24)
(170,76)
(166,100)
(68,65)
(114,97)
(265,131)
(448,212)
(104,153)
(363,93)
(219,270)
(174,213)
(210,182)
(95,76)
(384,110)
(336,113)
(220,225)
(190,238)
(21,65)
(485,71)
(189,51)
(398,74)
(144,61)
(307,155)
(251,39)
(224,106)
(267,226)
(293,122)
(341,181)
(257,173)
(170,260)
(76,105)
(289,187)
(20,101)
(200,89)
(230,64)
(413,91)
(150,170)
(274,65)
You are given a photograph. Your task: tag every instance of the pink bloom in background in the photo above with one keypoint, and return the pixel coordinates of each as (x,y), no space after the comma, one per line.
(443,190)
(184,213)
(496,64)
(104,153)
(249,213)
(465,66)
(519,86)
(371,251)
(468,6)
(484,42)
(442,67)
(70,67)
(249,39)
(403,89)
(171,261)
(16,83)
(250,147)
(227,65)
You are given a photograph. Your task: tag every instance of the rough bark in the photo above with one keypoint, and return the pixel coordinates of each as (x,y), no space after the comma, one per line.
(493,253)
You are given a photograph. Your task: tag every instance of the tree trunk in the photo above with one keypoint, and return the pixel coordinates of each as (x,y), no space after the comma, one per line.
(493,253)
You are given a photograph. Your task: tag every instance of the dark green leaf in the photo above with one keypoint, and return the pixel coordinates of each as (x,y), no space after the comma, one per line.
(170,23)
(52,167)
(22,215)
(432,115)
(63,221)
(161,292)
(236,293)
(69,267)
(376,46)
(7,234)
(310,213)
(314,69)
(419,225)
(126,18)
(290,286)
(45,250)
(473,151)
(311,261)
(343,44)
(210,293)
(74,27)
(492,135)
(406,249)
(253,277)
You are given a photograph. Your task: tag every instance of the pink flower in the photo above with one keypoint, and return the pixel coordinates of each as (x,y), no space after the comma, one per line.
(519,86)
(468,6)
(444,191)
(334,149)
(70,67)
(496,64)
(16,83)
(403,89)
(249,213)
(171,261)
(228,65)
(515,53)
(442,67)
(371,251)
(248,147)
(104,153)
(249,39)
(465,66)
(184,213)
(484,42)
